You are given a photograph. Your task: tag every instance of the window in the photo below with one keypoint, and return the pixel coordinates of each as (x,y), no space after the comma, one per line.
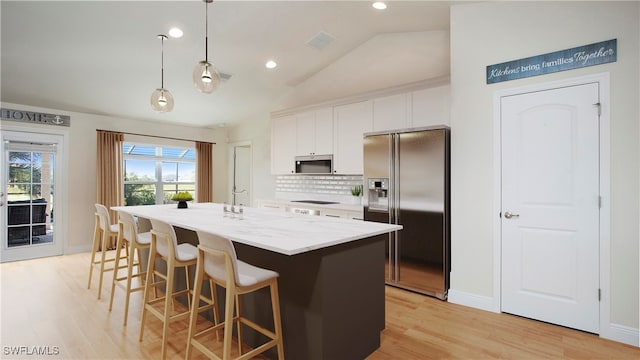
(152,174)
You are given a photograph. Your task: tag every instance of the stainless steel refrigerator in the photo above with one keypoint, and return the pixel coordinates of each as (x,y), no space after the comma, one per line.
(406,176)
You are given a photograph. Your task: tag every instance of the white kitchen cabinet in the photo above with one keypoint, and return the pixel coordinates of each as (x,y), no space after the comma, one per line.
(354,215)
(314,132)
(324,131)
(345,214)
(272,204)
(339,211)
(350,121)
(332,213)
(283,145)
(430,106)
(391,112)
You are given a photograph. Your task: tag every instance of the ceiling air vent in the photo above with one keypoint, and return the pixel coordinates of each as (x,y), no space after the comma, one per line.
(321,40)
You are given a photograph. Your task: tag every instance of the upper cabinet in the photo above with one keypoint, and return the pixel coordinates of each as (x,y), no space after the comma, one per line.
(391,112)
(430,106)
(314,131)
(283,144)
(338,129)
(350,123)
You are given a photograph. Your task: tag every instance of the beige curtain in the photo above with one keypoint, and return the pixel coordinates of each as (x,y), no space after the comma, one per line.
(204,168)
(110,179)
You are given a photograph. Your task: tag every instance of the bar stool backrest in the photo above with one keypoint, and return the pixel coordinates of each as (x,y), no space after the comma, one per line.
(105,219)
(129,229)
(161,228)
(215,265)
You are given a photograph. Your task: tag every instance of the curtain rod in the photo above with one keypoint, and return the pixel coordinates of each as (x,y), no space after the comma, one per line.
(158,136)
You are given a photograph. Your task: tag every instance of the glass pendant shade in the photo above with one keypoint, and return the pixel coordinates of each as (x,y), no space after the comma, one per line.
(206,77)
(161,100)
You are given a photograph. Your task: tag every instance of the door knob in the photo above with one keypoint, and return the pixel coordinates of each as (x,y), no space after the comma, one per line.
(509,215)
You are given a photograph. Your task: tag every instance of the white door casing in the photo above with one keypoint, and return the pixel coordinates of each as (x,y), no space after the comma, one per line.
(550,205)
(43,144)
(240,173)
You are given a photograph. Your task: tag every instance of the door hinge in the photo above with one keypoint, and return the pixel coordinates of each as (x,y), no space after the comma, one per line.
(599,106)
(599,294)
(600,202)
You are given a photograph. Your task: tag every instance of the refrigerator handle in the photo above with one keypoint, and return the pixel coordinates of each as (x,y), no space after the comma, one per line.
(396,203)
(395,185)
(391,196)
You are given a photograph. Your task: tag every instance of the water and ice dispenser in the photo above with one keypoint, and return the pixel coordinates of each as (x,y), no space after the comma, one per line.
(378,194)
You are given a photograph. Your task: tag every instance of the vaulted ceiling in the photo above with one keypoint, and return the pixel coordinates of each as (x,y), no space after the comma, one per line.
(104,57)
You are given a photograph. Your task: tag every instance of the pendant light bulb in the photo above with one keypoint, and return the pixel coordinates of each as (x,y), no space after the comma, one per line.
(161,98)
(206,77)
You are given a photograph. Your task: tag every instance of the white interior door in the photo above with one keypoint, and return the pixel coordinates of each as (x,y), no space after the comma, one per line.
(30,195)
(550,206)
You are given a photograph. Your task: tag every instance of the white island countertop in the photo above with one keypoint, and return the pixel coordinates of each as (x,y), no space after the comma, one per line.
(269,229)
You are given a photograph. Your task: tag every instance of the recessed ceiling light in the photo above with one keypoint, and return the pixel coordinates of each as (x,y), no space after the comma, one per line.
(270,64)
(175,32)
(379,5)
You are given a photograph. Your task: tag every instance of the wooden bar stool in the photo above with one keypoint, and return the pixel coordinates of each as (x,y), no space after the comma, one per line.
(164,245)
(217,260)
(102,234)
(129,237)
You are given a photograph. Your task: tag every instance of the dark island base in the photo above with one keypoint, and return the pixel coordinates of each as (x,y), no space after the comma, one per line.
(332,300)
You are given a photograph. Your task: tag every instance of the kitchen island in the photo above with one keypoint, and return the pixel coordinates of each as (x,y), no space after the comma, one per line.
(331,270)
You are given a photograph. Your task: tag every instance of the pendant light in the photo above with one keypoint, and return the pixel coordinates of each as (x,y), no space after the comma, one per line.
(161,99)
(206,77)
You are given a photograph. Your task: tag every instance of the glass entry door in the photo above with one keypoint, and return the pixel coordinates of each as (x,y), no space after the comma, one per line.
(28,198)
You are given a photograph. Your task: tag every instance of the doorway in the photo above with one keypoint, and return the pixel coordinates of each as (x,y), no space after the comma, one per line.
(240,173)
(550,196)
(30,195)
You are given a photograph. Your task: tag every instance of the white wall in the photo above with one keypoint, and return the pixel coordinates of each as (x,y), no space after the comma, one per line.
(81,176)
(258,131)
(488,33)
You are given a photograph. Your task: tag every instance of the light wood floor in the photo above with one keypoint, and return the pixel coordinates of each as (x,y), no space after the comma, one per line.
(45,302)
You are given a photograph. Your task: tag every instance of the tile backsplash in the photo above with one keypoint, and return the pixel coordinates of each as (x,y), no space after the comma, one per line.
(335,185)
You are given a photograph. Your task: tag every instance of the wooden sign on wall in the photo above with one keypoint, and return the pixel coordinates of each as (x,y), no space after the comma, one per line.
(35,117)
(583,56)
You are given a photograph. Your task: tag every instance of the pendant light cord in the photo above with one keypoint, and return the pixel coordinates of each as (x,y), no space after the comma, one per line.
(162,62)
(206,32)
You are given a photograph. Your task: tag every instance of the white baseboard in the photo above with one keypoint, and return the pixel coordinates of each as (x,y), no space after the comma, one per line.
(621,333)
(615,332)
(472,300)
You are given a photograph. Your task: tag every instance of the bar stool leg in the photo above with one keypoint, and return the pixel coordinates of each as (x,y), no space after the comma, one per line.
(168,295)
(128,289)
(193,317)
(148,283)
(239,325)
(228,322)
(94,250)
(103,258)
(116,266)
(275,307)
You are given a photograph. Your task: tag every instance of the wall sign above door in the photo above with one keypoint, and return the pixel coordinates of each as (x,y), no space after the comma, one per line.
(582,56)
(35,117)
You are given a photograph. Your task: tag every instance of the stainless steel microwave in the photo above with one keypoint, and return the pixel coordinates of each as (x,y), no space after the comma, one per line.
(314,164)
